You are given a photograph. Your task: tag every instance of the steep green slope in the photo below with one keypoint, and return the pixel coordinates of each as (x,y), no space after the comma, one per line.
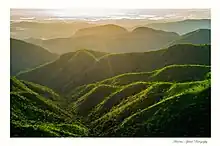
(34,115)
(62,70)
(181,115)
(160,111)
(130,84)
(47,130)
(66,73)
(171,73)
(114,107)
(88,101)
(168,102)
(25,55)
(116,98)
(200,36)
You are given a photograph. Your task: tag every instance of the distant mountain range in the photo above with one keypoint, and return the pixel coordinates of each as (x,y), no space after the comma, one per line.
(25,56)
(200,36)
(45,30)
(115,39)
(182,27)
(112,39)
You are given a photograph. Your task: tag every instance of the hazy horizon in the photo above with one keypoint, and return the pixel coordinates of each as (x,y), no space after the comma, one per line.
(109,14)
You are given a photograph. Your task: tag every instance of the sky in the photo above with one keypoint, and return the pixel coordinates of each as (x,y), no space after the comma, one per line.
(104,14)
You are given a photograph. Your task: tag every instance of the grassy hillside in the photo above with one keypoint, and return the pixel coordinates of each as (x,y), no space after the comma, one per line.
(102,96)
(200,36)
(158,107)
(113,39)
(160,110)
(34,112)
(167,102)
(172,73)
(186,114)
(66,73)
(25,55)
(133,103)
(85,103)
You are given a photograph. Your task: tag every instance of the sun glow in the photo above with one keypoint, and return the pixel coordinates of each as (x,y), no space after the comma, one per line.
(106,14)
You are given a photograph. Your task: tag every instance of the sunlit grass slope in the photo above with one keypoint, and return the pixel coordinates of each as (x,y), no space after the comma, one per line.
(172,101)
(108,107)
(171,73)
(184,114)
(108,93)
(163,109)
(159,93)
(34,112)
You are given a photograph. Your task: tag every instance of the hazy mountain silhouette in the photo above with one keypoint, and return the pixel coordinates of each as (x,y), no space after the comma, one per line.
(103,30)
(46,29)
(113,39)
(200,36)
(25,55)
(182,27)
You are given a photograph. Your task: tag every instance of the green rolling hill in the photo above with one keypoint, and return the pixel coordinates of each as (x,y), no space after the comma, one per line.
(112,90)
(125,105)
(35,112)
(171,73)
(184,114)
(66,73)
(111,107)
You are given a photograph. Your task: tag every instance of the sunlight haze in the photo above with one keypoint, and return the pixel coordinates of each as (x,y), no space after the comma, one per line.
(105,14)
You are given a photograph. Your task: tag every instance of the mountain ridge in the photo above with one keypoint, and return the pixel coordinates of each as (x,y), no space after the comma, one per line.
(114,64)
(26,55)
(199,36)
(112,39)
(182,27)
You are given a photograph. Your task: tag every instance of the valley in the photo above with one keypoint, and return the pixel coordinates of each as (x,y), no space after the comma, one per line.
(134,73)
(121,101)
